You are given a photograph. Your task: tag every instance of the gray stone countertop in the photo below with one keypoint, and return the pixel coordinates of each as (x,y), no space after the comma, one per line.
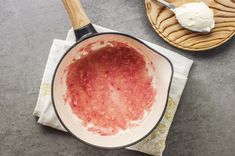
(204,124)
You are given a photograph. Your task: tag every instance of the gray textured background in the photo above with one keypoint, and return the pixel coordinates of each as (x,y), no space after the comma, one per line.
(205,121)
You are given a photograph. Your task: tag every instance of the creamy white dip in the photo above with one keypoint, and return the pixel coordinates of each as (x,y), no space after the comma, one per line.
(195,16)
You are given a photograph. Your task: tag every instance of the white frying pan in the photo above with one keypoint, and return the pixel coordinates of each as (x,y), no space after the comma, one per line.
(85,35)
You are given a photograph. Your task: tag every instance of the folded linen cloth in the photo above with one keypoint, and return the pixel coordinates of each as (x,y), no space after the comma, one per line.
(154,144)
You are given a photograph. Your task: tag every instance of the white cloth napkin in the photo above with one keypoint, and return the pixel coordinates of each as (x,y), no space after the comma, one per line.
(154,144)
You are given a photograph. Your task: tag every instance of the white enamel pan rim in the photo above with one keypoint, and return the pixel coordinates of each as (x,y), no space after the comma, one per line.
(125,145)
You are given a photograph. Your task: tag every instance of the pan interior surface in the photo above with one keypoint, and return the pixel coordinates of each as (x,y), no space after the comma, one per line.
(160,68)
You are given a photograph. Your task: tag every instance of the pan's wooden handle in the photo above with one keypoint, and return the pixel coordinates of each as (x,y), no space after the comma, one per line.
(76,13)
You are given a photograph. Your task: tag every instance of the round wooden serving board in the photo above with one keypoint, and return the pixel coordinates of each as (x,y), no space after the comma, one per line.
(166,25)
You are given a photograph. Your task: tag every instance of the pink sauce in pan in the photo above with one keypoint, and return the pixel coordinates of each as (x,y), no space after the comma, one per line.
(110,88)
